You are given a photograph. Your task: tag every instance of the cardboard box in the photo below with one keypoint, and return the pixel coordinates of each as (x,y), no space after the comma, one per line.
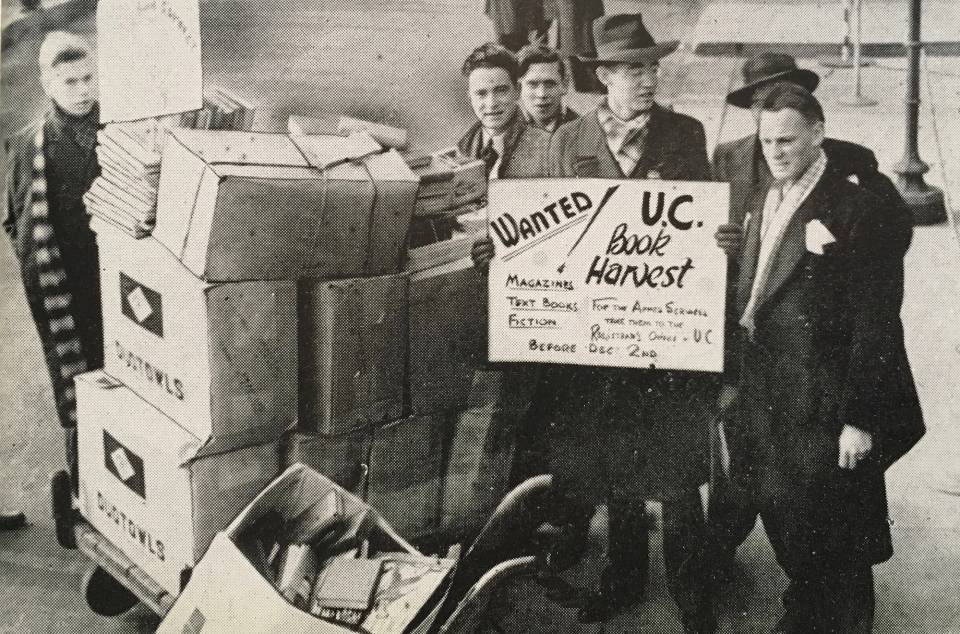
(219,359)
(343,458)
(156,491)
(240,205)
(353,352)
(228,594)
(406,469)
(447,325)
(448,180)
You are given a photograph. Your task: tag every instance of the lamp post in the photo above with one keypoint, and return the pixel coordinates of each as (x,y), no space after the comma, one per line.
(925,202)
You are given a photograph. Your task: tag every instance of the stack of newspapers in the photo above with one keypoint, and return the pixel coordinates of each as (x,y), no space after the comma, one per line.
(125,193)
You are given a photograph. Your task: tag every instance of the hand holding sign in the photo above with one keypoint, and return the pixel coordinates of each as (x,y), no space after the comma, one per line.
(640,284)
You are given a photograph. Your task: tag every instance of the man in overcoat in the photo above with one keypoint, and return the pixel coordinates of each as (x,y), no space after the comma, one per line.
(826,399)
(740,162)
(631,435)
(515,20)
(51,164)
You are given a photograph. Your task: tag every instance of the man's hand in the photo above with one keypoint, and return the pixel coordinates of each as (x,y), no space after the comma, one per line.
(729,236)
(482,252)
(855,446)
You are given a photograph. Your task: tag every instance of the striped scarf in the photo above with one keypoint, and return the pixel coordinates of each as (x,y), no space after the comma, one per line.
(57,300)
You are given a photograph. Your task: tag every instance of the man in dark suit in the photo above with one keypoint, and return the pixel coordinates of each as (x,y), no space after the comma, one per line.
(826,400)
(543,84)
(631,435)
(500,136)
(740,162)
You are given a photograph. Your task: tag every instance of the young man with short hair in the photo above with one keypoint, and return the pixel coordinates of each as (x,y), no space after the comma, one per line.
(543,84)
(500,136)
(52,163)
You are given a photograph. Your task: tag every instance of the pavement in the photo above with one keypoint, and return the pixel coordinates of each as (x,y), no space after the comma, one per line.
(398,63)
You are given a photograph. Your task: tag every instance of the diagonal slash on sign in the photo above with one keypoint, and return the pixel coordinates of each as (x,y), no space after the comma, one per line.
(603,202)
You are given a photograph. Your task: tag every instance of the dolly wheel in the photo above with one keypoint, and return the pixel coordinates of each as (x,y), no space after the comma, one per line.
(105,595)
(64,517)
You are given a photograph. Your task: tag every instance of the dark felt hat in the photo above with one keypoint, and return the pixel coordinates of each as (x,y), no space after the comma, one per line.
(767,68)
(623,38)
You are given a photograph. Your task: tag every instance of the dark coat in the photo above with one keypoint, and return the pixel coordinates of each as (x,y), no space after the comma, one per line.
(740,162)
(515,16)
(675,149)
(828,350)
(574,24)
(70,171)
(649,427)
(524,148)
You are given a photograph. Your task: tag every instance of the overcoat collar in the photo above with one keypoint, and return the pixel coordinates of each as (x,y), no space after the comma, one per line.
(472,142)
(793,248)
(593,157)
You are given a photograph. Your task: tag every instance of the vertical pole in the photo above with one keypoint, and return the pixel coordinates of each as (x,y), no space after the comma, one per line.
(858,99)
(925,202)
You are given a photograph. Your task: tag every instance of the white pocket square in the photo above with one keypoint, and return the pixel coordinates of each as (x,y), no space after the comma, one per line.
(818,236)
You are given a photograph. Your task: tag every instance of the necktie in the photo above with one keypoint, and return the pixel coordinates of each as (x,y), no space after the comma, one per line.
(489,156)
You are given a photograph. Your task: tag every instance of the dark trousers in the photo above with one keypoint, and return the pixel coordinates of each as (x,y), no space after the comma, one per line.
(824,598)
(685,559)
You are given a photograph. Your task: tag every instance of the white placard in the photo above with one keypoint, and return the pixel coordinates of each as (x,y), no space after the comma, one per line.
(148,58)
(622,273)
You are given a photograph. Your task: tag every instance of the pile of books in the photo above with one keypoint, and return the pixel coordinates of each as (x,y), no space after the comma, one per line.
(222,110)
(125,193)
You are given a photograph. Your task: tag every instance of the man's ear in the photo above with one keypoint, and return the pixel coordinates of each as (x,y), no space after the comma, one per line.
(820,132)
(603,74)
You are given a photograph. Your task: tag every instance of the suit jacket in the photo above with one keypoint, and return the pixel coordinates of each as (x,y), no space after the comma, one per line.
(828,350)
(661,415)
(524,148)
(675,149)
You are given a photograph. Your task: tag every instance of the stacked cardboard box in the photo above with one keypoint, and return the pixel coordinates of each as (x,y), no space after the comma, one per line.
(232,320)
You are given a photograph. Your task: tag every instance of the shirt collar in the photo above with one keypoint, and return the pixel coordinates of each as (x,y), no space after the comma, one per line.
(81,129)
(618,131)
(552,125)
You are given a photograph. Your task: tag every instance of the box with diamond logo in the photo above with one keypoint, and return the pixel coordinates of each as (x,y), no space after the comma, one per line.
(220,359)
(153,489)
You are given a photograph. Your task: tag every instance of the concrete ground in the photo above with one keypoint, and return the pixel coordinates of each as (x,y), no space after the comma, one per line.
(398,63)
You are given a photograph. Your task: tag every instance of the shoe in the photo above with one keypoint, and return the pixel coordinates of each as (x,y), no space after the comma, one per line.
(616,595)
(12,521)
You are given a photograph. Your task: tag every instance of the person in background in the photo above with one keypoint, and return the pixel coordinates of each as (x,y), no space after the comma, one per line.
(543,84)
(741,163)
(825,396)
(51,164)
(516,22)
(500,135)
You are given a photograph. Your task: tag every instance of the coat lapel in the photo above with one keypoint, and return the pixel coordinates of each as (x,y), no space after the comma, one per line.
(510,140)
(592,158)
(747,265)
(654,146)
(793,247)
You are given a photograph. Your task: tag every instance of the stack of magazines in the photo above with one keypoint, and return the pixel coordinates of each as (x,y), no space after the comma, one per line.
(125,193)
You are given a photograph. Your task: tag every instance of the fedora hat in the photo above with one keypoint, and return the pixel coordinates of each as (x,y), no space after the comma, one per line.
(766,68)
(623,38)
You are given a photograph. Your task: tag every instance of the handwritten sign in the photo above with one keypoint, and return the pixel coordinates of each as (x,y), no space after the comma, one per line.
(608,272)
(148,58)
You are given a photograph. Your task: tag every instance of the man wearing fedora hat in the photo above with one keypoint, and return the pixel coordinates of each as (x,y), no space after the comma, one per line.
(741,163)
(633,435)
